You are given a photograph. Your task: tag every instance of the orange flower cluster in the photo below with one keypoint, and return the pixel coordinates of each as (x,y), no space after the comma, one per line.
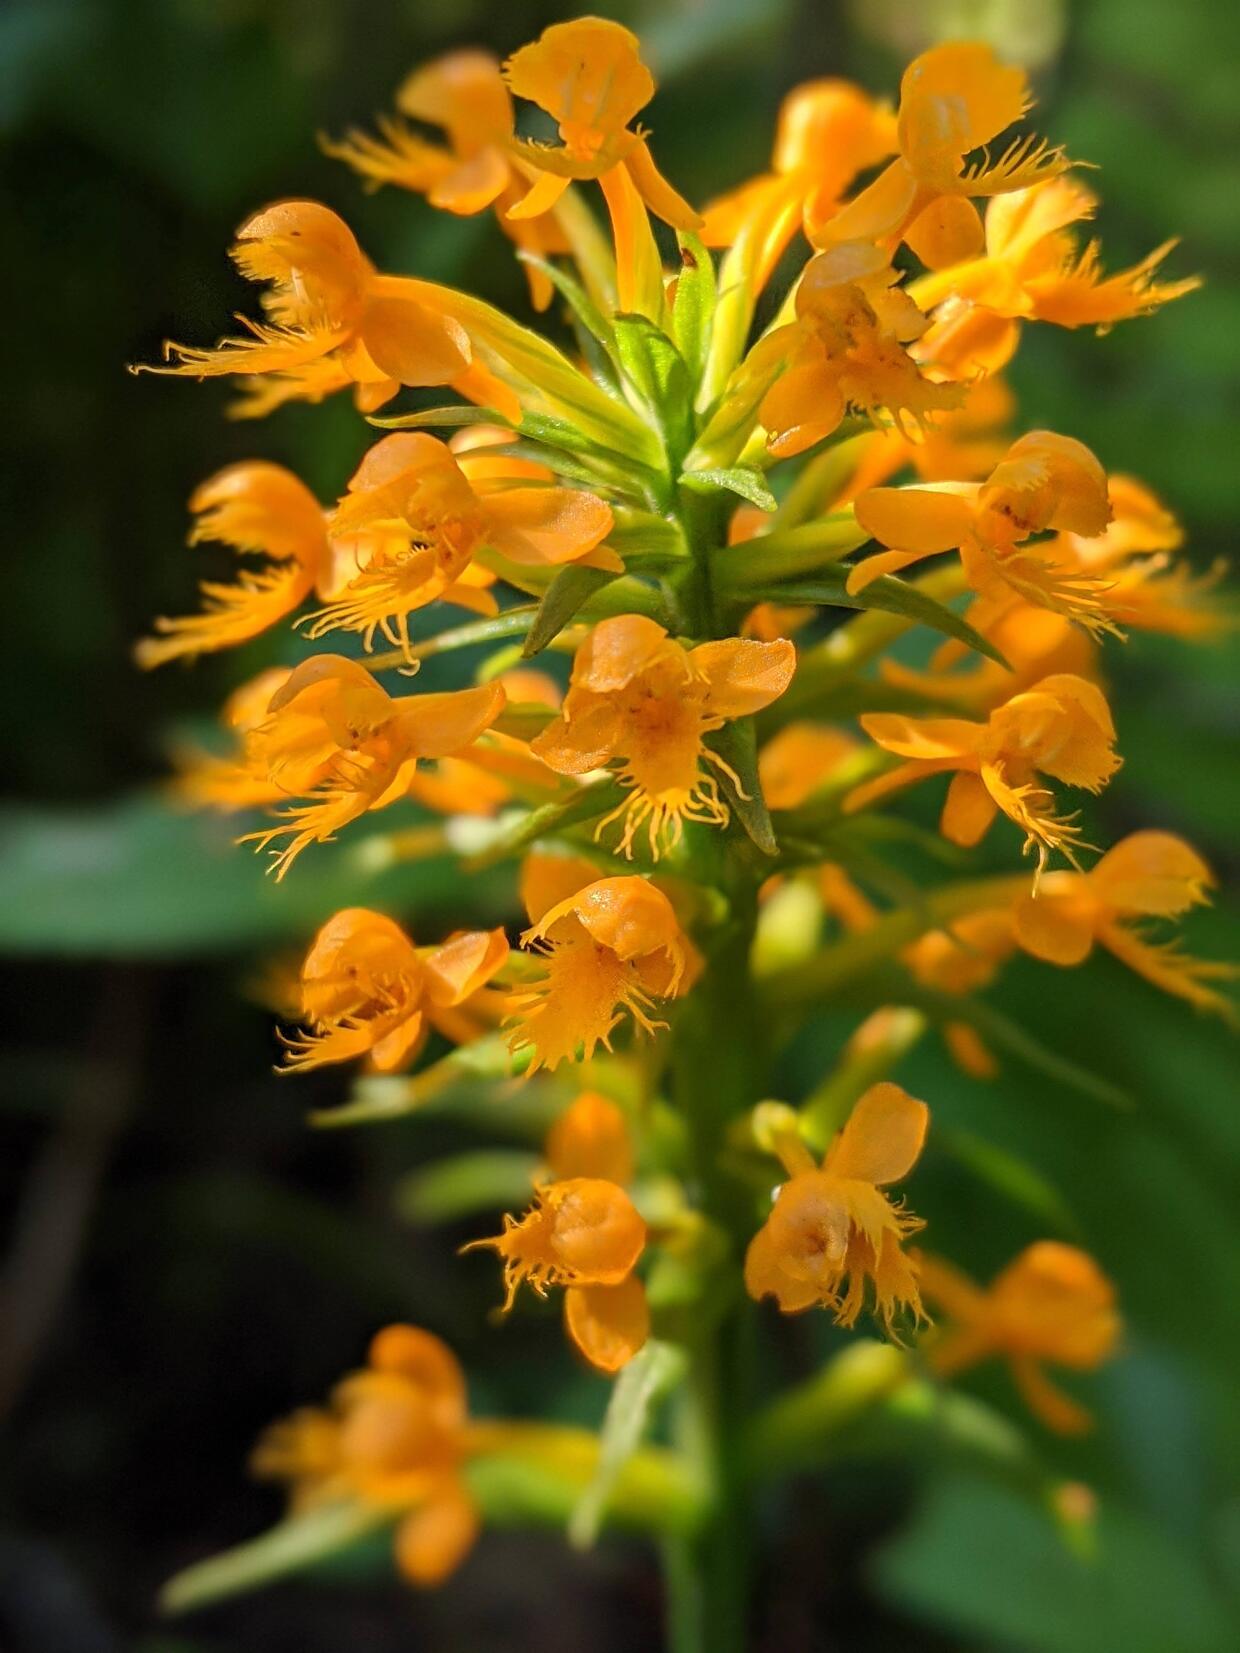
(715,538)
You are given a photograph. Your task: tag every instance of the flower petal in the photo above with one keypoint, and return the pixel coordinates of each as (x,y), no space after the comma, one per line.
(609,1324)
(883,1137)
(968,810)
(744,676)
(433,1540)
(915,519)
(1057,928)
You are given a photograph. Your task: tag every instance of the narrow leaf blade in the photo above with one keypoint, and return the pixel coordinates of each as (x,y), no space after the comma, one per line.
(658,374)
(300,1541)
(652,1373)
(892,596)
(736,479)
(736,744)
(694,307)
(568,592)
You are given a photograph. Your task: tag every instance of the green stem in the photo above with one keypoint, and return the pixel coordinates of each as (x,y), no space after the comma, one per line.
(718,1071)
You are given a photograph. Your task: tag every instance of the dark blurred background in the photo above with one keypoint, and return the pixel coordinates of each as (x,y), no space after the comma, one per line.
(183,1260)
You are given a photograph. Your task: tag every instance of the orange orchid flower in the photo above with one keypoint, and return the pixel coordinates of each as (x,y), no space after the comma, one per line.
(366,990)
(828,132)
(954,100)
(589,78)
(1060,727)
(590,1142)
(335,737)
(261,510)
(961,958)
(638,696)
(332,321)
(464,94)
(583,1233)
(394,1436)
(1052,1303)
(418,520)
(1146,875)
(609,1324)
(831,1229)
(478,784)
(846,350)
(1032,268)
(612,946)
(587,75)
(1044,481)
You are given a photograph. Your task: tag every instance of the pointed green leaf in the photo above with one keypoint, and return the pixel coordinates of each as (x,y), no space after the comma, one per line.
(546,379)
(647,542)
(513,622)
(652,1373)
(657,372)
(892,596)
(447,1084)
(298,1542)
(808,552)
(576,297)
(489,1179)
(694,308)
(737,746)
(587,803)
(571,588)
(738,479)
(445,418)
(535,1473)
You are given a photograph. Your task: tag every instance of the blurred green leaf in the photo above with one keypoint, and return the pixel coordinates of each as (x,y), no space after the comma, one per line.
(1012,1177)
(647,1379)
(296,1543)
(981,1562)
(1014,1040)
(487,1180)
(140,879)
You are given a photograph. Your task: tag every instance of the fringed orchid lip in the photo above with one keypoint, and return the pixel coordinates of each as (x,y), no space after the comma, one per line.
(1061,727)
(831,1231)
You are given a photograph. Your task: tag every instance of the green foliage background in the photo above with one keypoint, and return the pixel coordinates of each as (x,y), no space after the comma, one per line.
(185,1259)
